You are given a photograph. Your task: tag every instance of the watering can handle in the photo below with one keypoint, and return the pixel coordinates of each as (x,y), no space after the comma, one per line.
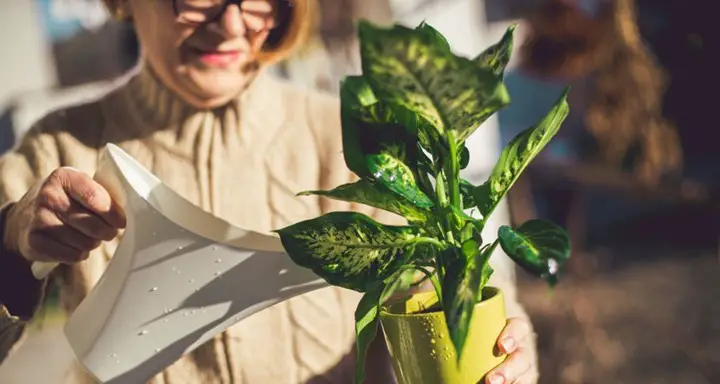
(41,270)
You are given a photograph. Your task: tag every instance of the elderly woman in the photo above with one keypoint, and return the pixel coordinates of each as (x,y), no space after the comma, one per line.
(201,116)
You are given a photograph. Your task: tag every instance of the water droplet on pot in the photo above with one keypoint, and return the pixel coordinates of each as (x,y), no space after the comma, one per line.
(192,312)
(218,261)
(165,320)
(153,289)
(117,361)
(283,271)
(143,332)
(218,274)
(214,248)
(191,281)
(180,248)
(157,350)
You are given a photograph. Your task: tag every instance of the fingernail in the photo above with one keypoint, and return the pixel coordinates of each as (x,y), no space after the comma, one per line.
(497,378)
(508,344)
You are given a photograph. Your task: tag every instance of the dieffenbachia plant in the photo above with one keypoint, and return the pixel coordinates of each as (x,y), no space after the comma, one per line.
(404,124)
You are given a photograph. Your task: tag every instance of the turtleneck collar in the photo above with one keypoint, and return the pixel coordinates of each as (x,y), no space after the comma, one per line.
(158,108)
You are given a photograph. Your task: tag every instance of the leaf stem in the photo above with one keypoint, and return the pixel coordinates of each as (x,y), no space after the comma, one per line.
(452,170)
(435,282)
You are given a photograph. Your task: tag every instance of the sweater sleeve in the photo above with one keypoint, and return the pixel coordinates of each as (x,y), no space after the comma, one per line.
(33,159)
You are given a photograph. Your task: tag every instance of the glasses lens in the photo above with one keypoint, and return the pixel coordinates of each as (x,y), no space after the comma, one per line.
(198,11)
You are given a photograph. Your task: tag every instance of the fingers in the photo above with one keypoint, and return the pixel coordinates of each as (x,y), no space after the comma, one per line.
(515,332)
(512,369)
(67,216)
(517,368)
(87,192)
(44,246)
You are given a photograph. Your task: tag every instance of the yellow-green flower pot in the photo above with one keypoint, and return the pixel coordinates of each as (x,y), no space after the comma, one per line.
(420,346)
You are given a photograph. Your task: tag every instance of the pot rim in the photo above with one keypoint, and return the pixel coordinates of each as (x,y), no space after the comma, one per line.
(385,311)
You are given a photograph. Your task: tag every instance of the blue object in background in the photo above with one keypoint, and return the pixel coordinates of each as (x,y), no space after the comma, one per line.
(62,19)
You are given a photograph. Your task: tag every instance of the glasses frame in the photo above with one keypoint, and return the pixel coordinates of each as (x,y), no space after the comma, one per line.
(288,4)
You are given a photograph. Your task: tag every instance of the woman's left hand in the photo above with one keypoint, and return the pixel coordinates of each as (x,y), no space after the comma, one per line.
(519,367)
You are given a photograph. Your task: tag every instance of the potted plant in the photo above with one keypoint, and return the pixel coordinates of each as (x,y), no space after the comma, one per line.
(404,124)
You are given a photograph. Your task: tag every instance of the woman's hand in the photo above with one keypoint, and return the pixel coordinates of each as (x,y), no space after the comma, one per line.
(518,368)
(63,218)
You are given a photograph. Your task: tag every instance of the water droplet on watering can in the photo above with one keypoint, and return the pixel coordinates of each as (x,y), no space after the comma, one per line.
(165,320)
(214,248)
(432,341)
(143,332)
(218,261)
(153,289)
(192,312)
(157,350)
(180,248)
(191,281)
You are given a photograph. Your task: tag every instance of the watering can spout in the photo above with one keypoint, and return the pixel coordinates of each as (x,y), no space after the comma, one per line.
(178,277)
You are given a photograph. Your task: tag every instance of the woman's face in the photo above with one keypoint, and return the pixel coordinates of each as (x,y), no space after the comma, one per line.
(205,52)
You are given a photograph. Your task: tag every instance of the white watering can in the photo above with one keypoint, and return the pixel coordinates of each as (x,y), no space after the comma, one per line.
(178,277)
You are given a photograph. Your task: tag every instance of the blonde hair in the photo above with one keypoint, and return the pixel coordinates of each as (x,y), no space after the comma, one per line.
(298,23)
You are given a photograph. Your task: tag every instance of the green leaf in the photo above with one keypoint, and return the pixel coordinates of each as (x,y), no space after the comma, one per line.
(538,246)
(375,195)
(464,279)
(517,155)
(497,56)
(467,192)
(375,146)
(366,324)
(411,71)
(464,157)
(351,250)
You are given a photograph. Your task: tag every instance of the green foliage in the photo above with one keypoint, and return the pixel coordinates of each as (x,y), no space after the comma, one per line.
(404,125)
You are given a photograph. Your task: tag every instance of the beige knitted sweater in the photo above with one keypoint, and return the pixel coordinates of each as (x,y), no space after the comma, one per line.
(244,163)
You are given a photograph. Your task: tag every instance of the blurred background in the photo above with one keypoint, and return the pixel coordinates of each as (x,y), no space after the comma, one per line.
(634,174)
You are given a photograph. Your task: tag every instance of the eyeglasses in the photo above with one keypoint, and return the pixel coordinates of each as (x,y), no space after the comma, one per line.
(206,11)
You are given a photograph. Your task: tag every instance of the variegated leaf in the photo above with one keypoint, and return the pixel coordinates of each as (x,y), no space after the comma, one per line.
(410,71)
(465,277)
(376,147)
(366,325)
(375,195)
(497,56)
(517,155)
(351,250)
(538,246)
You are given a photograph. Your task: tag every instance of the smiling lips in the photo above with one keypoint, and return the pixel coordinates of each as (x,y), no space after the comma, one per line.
(219,58)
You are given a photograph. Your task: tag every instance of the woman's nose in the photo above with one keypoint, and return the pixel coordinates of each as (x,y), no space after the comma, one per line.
(231,23)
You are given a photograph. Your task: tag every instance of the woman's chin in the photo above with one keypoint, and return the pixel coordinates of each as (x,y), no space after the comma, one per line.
(216,86)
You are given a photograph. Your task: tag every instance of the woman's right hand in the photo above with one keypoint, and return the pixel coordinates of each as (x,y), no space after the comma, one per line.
(63,218)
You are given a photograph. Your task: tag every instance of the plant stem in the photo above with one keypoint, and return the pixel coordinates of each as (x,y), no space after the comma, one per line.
(452,172)
(434,280)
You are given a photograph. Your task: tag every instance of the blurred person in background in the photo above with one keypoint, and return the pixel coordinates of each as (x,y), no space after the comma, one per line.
(201,115)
